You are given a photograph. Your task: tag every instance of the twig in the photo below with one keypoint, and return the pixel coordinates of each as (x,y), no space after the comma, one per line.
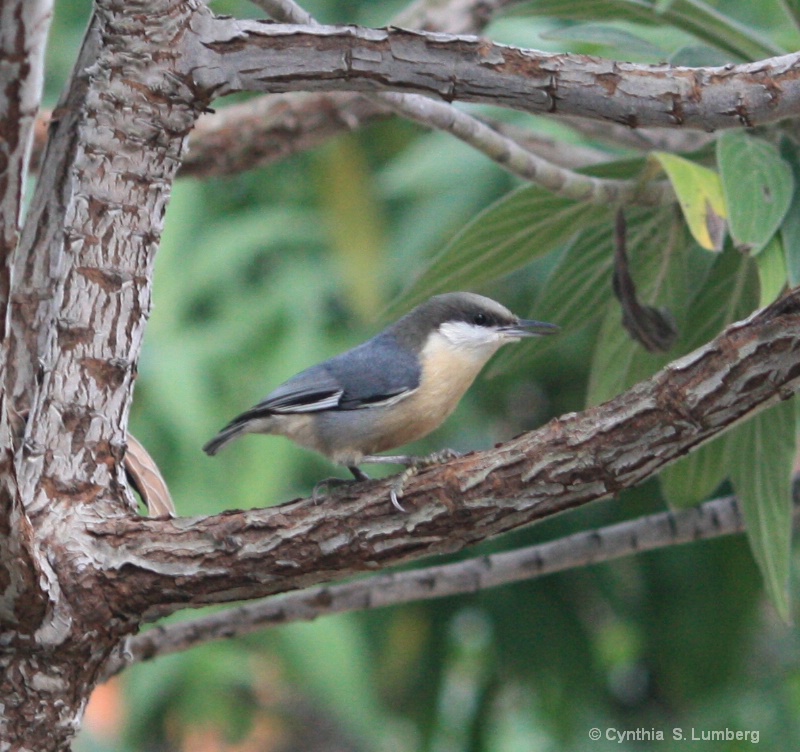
(286,11)
(519,161)
(506,152)
(712,519)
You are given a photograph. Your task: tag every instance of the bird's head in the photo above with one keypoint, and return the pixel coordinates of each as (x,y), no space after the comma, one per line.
(468,324)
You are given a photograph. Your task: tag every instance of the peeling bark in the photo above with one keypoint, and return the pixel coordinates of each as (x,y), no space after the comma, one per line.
(666,529)
(77,316)
(158,567)
(23,33)
(78,572)
(232,55)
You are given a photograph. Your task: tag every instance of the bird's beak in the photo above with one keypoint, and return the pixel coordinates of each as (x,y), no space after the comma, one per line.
(529,328)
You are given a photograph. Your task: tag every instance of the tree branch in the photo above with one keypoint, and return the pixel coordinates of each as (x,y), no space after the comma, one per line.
(506,152)
(264,130)
(79,303)
(518,160)
(270,128)
(23,35)
(241,55)
(712,519)
(569,462)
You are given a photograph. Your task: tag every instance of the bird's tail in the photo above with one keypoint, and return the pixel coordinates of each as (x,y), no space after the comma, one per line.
(230,433)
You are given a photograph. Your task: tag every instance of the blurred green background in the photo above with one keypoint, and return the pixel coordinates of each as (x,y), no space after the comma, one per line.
(262,274)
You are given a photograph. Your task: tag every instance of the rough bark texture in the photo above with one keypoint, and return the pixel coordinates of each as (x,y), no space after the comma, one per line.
(710,520)
(280,57)
(76,324)
(157,567)
(79,572)
(23,31)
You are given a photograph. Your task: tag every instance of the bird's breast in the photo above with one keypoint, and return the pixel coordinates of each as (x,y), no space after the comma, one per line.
(447,373)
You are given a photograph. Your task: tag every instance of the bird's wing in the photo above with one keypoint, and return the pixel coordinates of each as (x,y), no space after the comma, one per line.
(312,390)
(377,373)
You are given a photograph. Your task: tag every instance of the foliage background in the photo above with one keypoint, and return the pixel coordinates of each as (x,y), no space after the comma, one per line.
(267,272)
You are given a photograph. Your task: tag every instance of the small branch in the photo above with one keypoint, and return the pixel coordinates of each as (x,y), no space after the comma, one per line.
(270,128)
(265,130)
(569,462)
(237,55)
(712,519)
(286,11)
(23,36)
(573,155)
(506,152)
(519,161)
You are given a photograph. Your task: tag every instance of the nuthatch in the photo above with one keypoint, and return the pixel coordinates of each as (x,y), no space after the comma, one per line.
(395,388)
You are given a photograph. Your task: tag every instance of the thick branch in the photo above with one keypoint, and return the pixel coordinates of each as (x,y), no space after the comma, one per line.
(251,56)
(23,33)
(508,153)
(571,461)
(79,303)
(256,133)
(710,520)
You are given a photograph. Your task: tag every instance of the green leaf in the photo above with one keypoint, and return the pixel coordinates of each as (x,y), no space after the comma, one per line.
(608,36)
(761,457)
(792,8)
(758,186)
(698,56)
(692,16)
(699,192)
(580,284)
(771,264)
(790,230)
(657,251)
(575,294)
(524,225)
(730,293)
(695,477)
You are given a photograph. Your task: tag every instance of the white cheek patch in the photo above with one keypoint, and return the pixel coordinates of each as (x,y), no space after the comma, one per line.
(466,336)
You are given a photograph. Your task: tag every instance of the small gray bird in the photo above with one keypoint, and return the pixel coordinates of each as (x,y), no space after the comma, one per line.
(393,389)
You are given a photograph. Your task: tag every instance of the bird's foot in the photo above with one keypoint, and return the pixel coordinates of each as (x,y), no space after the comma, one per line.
(326,485)
(415,464)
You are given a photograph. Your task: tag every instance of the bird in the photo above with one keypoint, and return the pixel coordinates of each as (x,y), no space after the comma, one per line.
(389,391)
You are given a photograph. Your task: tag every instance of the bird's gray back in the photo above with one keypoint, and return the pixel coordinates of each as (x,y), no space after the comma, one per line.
(371,373)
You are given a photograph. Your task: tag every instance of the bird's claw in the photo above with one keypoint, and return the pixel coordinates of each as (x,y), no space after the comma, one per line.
(419,463)
(396,490)
(327,484)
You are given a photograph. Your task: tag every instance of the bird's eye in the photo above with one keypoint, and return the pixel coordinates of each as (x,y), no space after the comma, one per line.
(479,319)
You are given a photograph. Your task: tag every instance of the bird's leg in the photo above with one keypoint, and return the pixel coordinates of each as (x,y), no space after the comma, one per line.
(358,473)
(413,466)
(329,483)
